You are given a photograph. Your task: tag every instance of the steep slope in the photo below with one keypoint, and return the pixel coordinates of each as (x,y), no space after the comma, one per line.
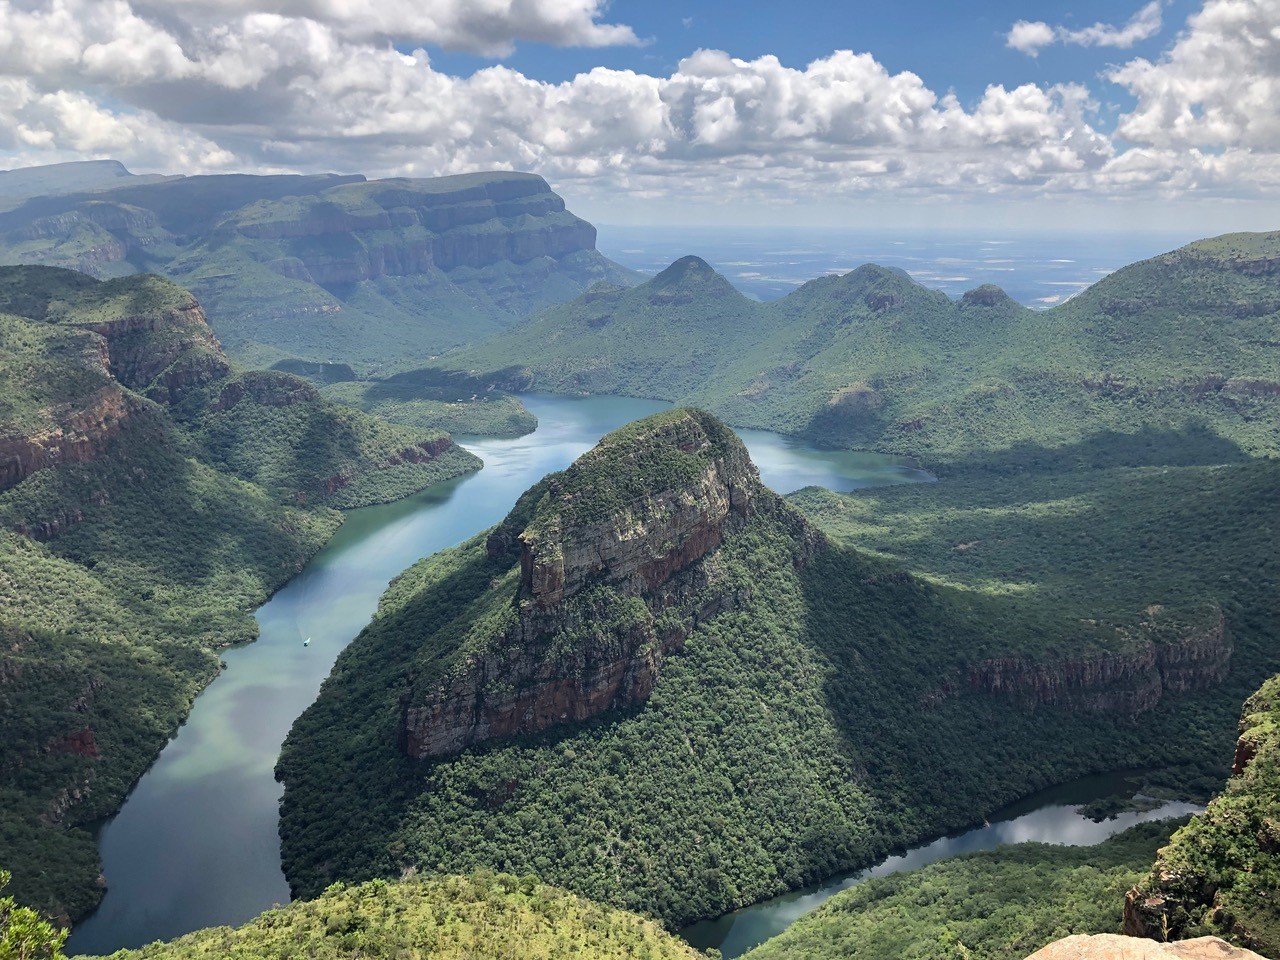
(450,918)
(998,905)
(872,359)
(371,273)
(133,542)
(656,685)
(1220,873)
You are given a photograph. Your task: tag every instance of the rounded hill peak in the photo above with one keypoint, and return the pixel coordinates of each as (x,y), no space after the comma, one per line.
(987,295)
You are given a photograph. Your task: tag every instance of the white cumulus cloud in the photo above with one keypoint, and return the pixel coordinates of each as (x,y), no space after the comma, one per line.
(299,87)
(1030,36)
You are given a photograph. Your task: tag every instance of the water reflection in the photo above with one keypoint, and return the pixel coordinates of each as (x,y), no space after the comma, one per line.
(1051,816)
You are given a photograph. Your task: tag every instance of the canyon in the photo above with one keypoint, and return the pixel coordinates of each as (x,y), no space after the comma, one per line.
(327,267)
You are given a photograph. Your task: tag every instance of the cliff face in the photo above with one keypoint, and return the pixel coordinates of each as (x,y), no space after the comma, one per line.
(326,267)
(81,434)
(399,228)
(1163,655)
(106,369)
(615,567)
(1219,874)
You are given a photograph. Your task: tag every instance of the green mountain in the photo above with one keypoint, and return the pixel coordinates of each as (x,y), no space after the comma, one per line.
(872,359)
(371,273)
(151,495)
(657,685)
(1220,873)
(446,918)
(998,905)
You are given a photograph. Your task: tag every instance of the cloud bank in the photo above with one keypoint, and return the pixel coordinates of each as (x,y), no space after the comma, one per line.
(215,85)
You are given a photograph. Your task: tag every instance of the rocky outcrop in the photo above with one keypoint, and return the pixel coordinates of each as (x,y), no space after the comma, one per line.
(80,435)
(1220,872)
(616,566)
(143,346)
(1109,946)
(1162,655)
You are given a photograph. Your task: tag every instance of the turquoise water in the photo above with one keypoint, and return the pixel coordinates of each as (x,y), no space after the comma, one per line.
(196,843)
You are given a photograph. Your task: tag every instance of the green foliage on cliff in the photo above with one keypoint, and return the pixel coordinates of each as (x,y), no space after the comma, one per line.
(667,451)
(152,496)
(821,723)
(24,934)
(1220,873)
(873,360)
(421,398)
(1003,904)
(484,915)
(375,273)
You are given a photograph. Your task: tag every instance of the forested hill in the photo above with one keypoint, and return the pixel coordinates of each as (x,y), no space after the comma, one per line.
(873,359)
(656,685)
(484,915)
(151,495)
(370,273)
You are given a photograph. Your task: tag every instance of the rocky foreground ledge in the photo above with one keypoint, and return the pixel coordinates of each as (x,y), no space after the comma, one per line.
(1110,946)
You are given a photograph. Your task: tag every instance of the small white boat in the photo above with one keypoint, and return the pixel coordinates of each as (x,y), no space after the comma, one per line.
(306,642)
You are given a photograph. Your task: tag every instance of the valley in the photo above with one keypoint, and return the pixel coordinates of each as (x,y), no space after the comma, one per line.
(649,669)
(215,780)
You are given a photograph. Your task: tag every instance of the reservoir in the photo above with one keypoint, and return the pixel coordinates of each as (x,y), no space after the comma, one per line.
(196,844)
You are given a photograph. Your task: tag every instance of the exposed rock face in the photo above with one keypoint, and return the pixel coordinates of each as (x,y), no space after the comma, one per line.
(1163,658)
(403,229)
(81,435)
(1109,946)
(144,348)
(616,553)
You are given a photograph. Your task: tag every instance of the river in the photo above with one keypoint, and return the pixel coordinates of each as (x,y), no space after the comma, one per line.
(196,843)
(1051,816)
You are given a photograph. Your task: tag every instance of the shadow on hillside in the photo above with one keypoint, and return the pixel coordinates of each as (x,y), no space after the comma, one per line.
(448,386)
(939,757)
(1189,446)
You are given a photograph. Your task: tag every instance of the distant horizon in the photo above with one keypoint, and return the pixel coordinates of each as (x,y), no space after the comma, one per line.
(1151,114)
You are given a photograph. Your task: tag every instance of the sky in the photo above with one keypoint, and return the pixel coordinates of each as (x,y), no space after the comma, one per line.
(1117,115)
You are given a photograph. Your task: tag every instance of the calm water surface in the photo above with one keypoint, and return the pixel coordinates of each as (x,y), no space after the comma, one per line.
(1048,817)
(196,843)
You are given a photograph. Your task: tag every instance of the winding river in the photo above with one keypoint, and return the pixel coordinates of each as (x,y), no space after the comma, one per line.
(196,842)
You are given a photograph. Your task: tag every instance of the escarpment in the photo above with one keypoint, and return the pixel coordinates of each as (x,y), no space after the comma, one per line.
(398,228)
(1165,653)
(609,564)
(81,433)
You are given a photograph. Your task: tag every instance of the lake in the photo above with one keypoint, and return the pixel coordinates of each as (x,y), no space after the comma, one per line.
(196,843)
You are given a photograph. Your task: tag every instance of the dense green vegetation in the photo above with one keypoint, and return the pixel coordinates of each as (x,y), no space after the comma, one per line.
(24,934)
(377,274)
(150,497)
(1220,874)
(1003,904)
(450,401)
(823,721)
(873,360)
(483,916)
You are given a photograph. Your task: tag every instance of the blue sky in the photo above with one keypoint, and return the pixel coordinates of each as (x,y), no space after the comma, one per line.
(1052,115)
(951,46)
